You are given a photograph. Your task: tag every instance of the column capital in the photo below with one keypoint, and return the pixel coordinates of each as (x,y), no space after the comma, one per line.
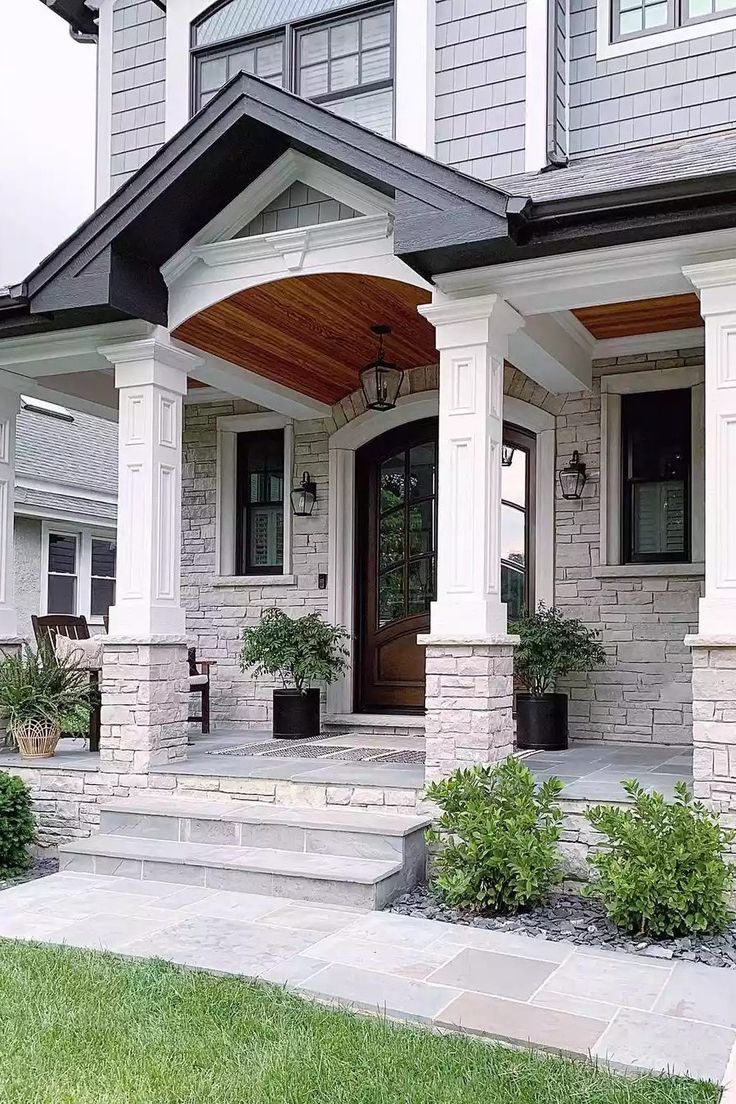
(149,360)
(473,320)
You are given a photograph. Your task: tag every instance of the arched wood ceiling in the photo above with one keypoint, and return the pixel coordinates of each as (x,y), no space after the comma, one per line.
(312,333)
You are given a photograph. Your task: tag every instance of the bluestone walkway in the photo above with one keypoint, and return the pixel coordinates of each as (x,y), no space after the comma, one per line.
(634,1013)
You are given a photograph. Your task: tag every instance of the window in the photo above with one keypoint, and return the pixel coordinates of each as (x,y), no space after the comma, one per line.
(343,62)
(632,18)
(102,590)
(62,574)
(80,573)
(516,509)
(259,535)
(656,460)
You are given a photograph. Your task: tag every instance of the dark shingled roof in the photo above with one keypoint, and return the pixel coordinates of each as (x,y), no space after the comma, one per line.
(685,159)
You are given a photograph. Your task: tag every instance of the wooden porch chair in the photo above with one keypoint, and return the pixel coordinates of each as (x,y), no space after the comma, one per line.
(46,629)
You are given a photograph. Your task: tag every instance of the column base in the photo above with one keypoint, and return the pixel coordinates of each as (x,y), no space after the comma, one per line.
(145,690)
(469,698)
(714,721)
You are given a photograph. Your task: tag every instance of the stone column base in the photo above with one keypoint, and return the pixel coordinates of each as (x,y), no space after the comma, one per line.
(145,690)
(468,702)
(714,721)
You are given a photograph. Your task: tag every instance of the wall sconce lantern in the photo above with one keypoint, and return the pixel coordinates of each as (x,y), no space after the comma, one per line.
(381,381)
(304,496)
(573,477)
(507,455)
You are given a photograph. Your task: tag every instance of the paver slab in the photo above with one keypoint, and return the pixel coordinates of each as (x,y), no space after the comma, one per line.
(616,979)
(396,996)
(647,1040)
(700,993)
(498,974)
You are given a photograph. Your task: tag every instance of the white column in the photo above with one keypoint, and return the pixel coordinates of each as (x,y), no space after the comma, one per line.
(469,657)
(9,407)
(151,377)
(472,340)
(714,645)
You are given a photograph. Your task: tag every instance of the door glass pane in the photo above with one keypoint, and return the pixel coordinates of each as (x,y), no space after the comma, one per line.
(391,597)
(513,479)
(391,540)
(421,586)
(422,465)
(421,528)
(392,480)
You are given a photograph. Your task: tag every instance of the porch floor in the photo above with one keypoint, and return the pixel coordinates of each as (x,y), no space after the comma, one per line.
(591,772)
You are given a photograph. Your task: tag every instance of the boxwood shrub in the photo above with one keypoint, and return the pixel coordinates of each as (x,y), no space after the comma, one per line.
(496,837)
(17,826)
(661,870)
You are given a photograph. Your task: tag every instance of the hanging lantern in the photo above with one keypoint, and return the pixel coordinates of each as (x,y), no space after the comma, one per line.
(380,381)
(507,455)
(573,477)
(304,496)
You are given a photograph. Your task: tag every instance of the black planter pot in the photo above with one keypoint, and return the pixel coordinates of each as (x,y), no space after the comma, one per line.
(295,714)
(541,722)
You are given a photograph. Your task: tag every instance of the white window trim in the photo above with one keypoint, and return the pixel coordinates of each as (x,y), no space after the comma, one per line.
(84,535)
(629,383)
(227,430)
(605,48)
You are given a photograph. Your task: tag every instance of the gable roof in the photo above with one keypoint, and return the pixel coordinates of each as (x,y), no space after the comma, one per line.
(109,268)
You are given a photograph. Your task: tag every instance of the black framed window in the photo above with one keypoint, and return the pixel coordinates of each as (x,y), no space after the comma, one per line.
(259,535)
(518,476)
(345,62)
(102,585)
(656,462)
(63,555)
(633,18)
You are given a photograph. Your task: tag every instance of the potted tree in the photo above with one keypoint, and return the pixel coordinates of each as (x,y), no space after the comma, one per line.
(298,651)
(41,696)
(551,646)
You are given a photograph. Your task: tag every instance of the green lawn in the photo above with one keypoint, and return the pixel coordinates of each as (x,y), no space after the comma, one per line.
(85,1028)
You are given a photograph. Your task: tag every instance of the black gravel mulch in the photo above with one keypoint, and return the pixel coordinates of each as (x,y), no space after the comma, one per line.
(39,868)
(578,920)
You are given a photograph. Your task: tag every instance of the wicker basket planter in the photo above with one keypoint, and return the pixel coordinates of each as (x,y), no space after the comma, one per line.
(36,739)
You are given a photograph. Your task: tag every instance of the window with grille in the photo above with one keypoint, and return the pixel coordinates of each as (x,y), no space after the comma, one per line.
(656,462)
(259,536)
(344,62)
(632,18)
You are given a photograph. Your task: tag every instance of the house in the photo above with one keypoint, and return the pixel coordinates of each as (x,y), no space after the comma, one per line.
(534,204)
(65,506)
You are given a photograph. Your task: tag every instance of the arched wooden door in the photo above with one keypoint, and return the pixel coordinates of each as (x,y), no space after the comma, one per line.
(396,522)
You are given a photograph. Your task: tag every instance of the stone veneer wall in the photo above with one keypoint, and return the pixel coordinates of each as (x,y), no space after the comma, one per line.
(644,693)
(219,610)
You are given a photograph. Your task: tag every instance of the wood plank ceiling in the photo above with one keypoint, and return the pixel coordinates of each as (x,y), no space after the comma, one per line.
(312,333)
(643,316)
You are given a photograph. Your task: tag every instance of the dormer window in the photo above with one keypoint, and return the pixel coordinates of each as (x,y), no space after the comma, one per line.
(344,62)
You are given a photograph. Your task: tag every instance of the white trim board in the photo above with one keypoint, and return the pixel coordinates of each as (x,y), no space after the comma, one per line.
(606,49)
(290,168)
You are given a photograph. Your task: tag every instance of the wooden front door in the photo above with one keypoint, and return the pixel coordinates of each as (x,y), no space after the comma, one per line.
(396,516)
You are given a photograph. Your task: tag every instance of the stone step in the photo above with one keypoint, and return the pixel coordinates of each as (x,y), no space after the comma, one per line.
(325,831)
(330,879)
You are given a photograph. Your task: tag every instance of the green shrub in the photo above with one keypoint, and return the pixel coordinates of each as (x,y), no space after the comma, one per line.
(498,837)
(298,650)
(662,871)
(552,646)
(17,827)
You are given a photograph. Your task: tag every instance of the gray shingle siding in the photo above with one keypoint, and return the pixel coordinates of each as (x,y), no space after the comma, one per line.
(480,68)
(647,96)
(298,205)
(138,86)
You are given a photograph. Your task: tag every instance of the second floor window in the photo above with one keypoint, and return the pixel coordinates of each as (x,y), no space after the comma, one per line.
(632,18)
(344,62)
